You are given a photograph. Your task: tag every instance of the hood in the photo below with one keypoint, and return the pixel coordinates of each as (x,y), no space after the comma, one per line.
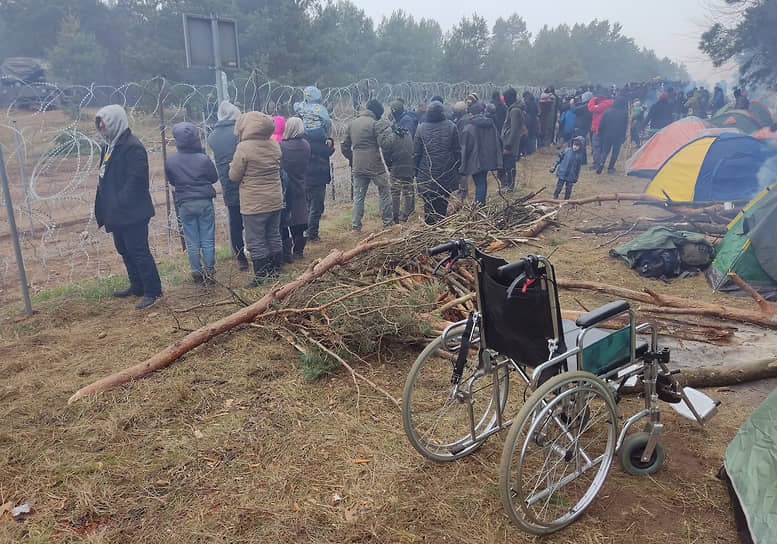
(435,112)
(228,111)
(280,126)
(294,128)
(254,125)
(312,94)
(481,120)
(115,119)
(187,138)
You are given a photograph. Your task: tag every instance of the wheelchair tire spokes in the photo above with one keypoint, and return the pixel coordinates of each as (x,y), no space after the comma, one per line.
(445,422)
(558,452)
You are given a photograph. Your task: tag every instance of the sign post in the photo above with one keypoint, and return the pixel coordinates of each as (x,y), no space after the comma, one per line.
(211,42)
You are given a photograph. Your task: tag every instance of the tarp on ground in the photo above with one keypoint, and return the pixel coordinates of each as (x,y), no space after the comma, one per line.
(741,119)
(750,466)
(716,168)
(647,160)
(749,248)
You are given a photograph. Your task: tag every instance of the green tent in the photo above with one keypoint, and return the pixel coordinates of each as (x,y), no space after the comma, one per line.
(739,119)
(750,469)
(749,248)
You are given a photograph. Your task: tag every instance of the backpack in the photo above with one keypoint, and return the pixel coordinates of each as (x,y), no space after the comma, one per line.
(659,263)
(661,252)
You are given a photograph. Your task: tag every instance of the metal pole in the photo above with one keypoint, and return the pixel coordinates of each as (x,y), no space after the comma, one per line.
(214,31)
(15,236)
(161,108)
(23,177)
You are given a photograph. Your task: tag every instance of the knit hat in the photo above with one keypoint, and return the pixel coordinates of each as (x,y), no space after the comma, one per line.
(471,98)
(397,104)
(375,107)
(437,98)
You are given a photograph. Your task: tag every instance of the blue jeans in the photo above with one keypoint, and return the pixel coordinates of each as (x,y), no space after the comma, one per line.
(199,229)
(481,186)
(360,185)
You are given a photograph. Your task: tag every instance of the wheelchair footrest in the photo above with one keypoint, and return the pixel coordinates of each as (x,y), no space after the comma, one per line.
(696,406)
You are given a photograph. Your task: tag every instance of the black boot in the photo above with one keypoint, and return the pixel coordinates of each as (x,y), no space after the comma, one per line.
(261,271)
(276,261)
(299,246)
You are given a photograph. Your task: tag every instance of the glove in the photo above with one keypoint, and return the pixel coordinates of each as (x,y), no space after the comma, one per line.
(552,170)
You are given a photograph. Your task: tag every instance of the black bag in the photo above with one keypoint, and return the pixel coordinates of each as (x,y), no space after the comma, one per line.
(659,263)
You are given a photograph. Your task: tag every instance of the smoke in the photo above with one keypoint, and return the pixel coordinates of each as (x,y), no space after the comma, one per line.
(767,174)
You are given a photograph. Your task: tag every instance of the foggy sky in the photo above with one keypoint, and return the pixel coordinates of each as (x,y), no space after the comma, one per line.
(672,28)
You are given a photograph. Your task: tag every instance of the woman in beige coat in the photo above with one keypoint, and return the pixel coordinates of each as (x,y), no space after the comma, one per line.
(256,168)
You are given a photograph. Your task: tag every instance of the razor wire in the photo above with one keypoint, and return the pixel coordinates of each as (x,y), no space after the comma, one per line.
(60,151)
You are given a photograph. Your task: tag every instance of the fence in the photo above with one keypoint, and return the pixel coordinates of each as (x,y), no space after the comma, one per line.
(52,154)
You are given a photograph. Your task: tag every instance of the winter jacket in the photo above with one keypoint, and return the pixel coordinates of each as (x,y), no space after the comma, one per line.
(597,106)
(660,114)
(295,157)
(718,100)
(314,114)
(409,120)
(615,122)
(436,150)
(568,163)
(397,145)
(318,172)
(481,149)
(566,123)
(256,165)
(512,130)
(123,196)
(500,114)
(223,141)
(360,145)
(583,118)
(189,170)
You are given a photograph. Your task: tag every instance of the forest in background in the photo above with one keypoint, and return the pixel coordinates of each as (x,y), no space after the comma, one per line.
(330,43)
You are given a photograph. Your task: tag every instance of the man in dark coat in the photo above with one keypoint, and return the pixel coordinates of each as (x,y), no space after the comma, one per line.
(123,203)
(660,114)
(512,132)
(481,150)
(397,145)
(436,154)
(318,176)
(612,131)
(500,111)
(223,141)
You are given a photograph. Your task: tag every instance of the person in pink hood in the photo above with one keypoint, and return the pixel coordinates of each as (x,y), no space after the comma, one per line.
(280,126)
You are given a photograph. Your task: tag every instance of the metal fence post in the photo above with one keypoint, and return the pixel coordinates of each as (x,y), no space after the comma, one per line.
(15,236)
(23,177)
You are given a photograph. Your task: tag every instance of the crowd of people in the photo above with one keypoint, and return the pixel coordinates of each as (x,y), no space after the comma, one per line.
(274,170)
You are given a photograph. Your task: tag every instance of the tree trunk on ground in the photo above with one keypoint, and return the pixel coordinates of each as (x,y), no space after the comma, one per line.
(244,315)
(716,376)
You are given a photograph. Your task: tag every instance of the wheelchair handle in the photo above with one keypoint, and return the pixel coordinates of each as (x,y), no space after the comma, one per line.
(526,264)
(443,248)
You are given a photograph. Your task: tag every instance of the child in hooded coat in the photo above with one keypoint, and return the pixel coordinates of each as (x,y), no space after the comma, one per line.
(568,163)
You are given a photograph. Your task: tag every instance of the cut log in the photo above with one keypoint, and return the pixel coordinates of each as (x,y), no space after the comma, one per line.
(617,197)
(730,374)
(691,307)
(244,315)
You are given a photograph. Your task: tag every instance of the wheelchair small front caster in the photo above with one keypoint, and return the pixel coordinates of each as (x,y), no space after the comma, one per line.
(630,455)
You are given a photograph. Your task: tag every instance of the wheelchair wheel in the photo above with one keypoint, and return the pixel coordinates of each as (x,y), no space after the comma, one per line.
(630,455)
(558,452)
(436,415)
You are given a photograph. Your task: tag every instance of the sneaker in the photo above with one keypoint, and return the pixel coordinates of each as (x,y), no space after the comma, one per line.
(356,229)
(147,302)
(611,170)
(208,277)
(128,292)
(198,277)
(599,170)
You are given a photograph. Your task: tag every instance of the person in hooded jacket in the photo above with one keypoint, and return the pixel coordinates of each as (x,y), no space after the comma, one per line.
(612,131)
(192,175)
(123,203)
(660,113)
(360,146)
(512,133)
(436,153)
(315,116)
(500,110)
(531,122)
(295,157)
(481,150)
(256,167)
(280,126)
(396,143)
(568,163)
(223,141)
(318,176)
(597,106)
(407,119)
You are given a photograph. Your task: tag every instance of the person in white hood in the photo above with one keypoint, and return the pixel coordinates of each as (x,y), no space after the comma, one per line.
(123,203)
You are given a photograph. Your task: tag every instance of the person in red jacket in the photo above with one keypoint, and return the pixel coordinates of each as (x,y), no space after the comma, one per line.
(597,106)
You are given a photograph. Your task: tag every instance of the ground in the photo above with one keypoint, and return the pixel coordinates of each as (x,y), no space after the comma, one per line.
(231,444)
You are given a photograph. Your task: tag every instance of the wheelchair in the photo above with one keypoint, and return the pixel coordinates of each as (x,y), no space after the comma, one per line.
(561,443)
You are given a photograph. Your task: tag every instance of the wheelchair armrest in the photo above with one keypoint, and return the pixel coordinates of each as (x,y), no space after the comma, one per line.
(602,313)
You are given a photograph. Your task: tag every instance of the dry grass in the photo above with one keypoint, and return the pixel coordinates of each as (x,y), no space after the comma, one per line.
(231,444)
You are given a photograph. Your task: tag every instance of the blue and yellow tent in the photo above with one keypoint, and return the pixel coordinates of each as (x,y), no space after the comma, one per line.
(723,167)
